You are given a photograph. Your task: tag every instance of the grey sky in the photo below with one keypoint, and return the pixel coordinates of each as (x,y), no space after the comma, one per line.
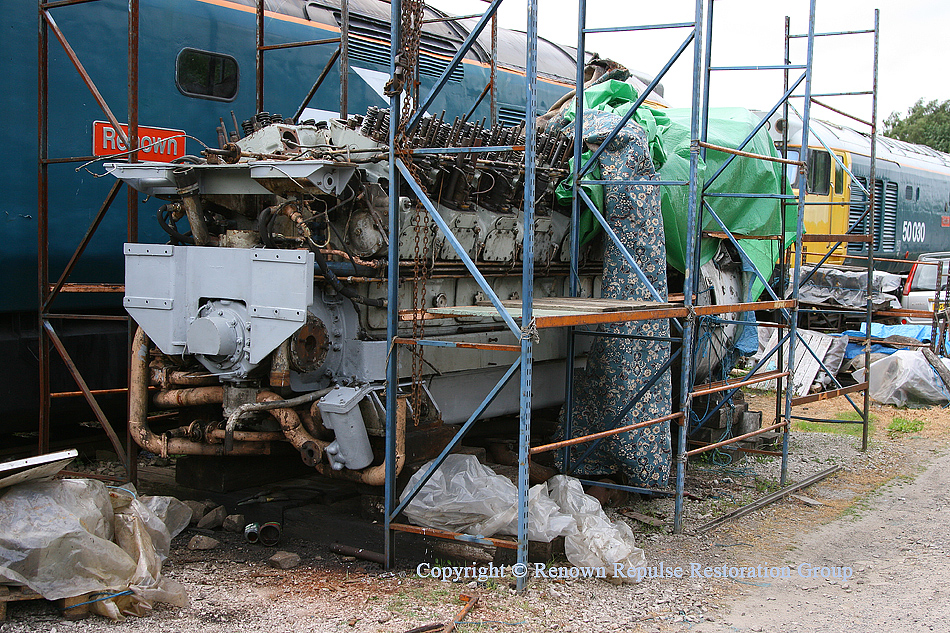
(914,48)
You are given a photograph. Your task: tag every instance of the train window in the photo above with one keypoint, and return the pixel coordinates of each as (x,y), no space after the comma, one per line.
(909,192)
(206,75)
(839,178)
(819,173)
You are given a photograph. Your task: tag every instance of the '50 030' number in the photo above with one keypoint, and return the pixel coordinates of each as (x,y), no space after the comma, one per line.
(914,231)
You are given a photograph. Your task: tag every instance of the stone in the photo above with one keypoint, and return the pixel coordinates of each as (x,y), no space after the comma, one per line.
(213,519)
(234,523)
(198,510)
(284,560)
(200,541)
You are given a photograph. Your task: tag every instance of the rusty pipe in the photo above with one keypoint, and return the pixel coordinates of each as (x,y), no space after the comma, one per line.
(311,449)
(166,377)
(314,425)
(164,445)
(249,436)
(190,397)
(271,403)
(376,475)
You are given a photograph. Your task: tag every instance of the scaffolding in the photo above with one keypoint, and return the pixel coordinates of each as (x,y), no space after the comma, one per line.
(48,291)
(529,316)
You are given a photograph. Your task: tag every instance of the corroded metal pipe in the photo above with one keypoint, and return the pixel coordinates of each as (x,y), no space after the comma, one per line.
(190,397)
(311,449)
(164,445)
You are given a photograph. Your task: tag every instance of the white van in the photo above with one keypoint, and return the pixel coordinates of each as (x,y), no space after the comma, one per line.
(921,285)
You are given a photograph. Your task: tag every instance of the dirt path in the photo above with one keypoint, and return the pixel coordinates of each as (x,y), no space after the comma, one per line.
(898,546)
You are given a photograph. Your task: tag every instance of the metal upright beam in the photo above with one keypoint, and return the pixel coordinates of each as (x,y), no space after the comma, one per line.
(800,229)
(528,330)
(392,296)
(870,226)
(691,275)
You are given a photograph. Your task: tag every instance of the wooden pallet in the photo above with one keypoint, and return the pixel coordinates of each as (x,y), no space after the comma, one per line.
(16,593)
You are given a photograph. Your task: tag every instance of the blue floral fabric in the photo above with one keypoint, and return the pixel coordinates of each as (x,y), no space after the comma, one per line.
(617,368)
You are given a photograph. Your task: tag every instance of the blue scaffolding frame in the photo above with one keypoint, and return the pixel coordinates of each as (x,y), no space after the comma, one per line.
(683,317)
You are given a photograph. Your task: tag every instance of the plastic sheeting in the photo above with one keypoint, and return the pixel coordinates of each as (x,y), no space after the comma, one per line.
(834,286)
(598,541)
(70,537)
(464,495)
(905,379)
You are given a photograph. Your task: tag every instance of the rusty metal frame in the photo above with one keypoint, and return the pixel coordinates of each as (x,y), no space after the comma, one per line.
(48,292)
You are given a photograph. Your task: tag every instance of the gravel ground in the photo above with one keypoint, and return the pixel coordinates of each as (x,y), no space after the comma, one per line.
(232,587)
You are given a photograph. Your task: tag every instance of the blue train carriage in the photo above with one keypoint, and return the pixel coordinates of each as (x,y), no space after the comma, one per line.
(911,199)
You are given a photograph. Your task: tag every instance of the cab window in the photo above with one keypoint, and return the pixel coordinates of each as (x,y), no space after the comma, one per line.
(206,75)
(819,173)
(839,178)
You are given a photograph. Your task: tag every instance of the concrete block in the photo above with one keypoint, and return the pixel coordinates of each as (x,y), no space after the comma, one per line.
(202,542)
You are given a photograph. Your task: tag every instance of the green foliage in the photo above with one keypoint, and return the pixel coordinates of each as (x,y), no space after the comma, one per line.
(925,124)
(903,425)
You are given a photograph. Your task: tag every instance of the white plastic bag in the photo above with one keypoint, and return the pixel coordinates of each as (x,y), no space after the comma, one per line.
(905,378)
(466,496)
(597,541)
(69,537)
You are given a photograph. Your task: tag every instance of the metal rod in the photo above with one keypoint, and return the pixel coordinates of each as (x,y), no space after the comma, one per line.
(90,398)
(646,27)
(766,500)
(733,440)
(841,112)
(316,85)
(344,49)
(392,295)
(259,56)
(596,436)
(729,150)
(275,47)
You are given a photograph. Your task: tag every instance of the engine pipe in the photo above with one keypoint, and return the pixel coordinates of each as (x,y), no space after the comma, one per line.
(164,445)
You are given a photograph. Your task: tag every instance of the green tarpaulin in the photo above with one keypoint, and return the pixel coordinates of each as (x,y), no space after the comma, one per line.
(669,141)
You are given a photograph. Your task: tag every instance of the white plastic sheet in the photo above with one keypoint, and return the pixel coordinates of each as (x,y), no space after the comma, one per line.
(597,541)
(466,496)
(70,537)
(905,378)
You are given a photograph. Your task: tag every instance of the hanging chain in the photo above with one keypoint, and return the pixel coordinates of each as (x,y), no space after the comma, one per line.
(412,17)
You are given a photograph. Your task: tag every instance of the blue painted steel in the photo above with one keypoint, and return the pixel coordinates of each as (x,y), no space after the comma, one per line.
(434,466)
(444,78)
(460,250)
(755,130)
(392,296)
(796,275)
(463,150)
(638,489)
(691,274)
(527,285)
(646,27)
(629,114)
(773,67)
(575,229)
(637,182)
